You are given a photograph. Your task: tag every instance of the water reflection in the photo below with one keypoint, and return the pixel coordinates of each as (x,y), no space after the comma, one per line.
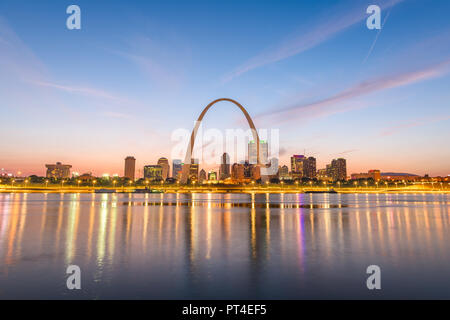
(220,245)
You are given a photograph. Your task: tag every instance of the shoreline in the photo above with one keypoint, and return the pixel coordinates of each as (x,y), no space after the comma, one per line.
(231,189)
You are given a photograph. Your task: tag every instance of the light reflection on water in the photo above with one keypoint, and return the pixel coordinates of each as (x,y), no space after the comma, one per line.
(224,245)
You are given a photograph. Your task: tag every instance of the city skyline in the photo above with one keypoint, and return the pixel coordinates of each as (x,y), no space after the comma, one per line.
(334,88)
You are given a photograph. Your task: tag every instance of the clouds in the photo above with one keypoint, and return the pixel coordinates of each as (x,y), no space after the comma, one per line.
(90,92)
(389,131)
(329,26)
(342,101)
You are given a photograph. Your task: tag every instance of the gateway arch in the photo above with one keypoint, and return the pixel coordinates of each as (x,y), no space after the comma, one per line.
(190,149)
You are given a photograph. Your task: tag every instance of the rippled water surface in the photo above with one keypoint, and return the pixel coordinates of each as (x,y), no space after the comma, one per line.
(224,246)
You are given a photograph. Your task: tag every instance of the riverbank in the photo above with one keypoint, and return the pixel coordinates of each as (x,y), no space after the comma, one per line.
(221,189)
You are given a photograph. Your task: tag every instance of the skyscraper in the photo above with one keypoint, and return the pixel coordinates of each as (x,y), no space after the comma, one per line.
(224,170)
(202,176)
(297,166)
(164,163)
(193,170)
(130,167)
(263,150)
(237,172)
(177,166)
(338,169)
(310,168)
(302,167)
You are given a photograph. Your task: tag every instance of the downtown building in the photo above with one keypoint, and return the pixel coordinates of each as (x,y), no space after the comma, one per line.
(153,173)
(303,167)
(224,169)
(164,163)
(130,167)
(193,170)
(253,152)
(177,167)
(212,176)
(58,170)
(371,174)
(337,169)
(238,172)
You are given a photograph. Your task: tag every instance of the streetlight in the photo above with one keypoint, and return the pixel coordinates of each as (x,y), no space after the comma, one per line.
(94,182)
(46,183)
(26,182)
(78,182)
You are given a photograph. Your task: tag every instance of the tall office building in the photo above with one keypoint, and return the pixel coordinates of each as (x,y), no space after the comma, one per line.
(164,163)
(310,171)
(338,169)
(202,176)
(58,170)
(283,172)
(193,170)
(224,170)
(153,172)
(297,164)
(263,150)
(130,167)
(237,172)
(177,167)
(302,167)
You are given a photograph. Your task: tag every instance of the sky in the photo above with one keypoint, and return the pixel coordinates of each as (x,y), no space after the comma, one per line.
(139,71)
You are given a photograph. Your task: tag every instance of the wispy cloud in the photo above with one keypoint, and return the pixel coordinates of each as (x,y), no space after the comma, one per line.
(92,92)
(348,151)
(336,102)
(412,123)
(332,24)
(117,115)
(163,62)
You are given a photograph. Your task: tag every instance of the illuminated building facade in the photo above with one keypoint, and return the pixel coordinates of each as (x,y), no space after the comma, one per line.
(303,167)
(224,170)
(58,170)
(237,172)
(263,150)
(130,167)
(371,174)
(164,163)
(212,176)
(153,172)
(338,169)
(177,167)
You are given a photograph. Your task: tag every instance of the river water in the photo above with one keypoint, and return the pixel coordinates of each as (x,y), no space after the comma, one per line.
(224,246)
